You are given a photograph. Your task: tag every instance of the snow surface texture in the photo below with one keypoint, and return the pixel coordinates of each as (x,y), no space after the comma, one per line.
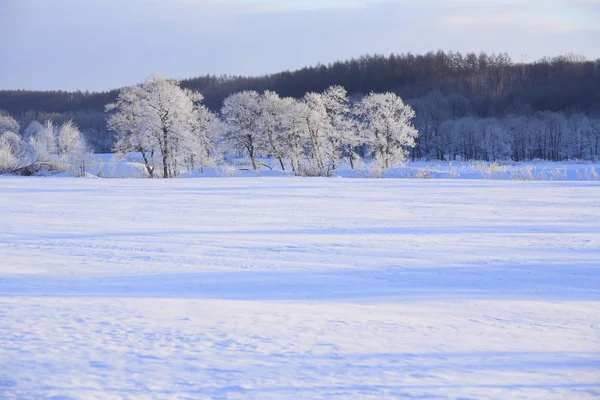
(298,288)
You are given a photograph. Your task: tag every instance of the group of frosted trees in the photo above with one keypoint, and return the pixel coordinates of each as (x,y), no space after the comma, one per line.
(449,129)
(172,131)
(545,135)
(42,147)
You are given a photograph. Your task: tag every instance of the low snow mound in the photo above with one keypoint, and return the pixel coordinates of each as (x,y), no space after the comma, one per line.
(70,174)
(230,171)
(122,169)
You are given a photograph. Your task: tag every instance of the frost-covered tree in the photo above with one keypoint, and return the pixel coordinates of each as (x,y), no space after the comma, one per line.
(466,134)
(293,136)
(387,126)
(327,126)
(12,152)
(576,142)
(593,139)
(548,133)
(556,134)
(587,133)
(273,124)
(133,132)
(9,124)
(200,148)
(73,151)
(315,126)
(68,136)
(431,111)
(446,142)
(61,149)
(44,145)
(241,114)
(516,129)
(158,119)
(494,142)
(342,133)
(32,129)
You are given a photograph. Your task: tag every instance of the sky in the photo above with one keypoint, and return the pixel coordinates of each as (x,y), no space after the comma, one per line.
(106,44)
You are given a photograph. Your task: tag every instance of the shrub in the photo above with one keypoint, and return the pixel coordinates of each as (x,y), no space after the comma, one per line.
(310,169)
(422,174)
(523,174)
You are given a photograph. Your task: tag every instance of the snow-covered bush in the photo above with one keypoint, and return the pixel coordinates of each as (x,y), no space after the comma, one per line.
(59,149)
(524,174)
(376,169)
(12,152)
(312,169)
(422,174)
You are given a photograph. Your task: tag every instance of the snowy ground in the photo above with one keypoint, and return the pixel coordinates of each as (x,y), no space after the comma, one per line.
(131,166)
(299,288)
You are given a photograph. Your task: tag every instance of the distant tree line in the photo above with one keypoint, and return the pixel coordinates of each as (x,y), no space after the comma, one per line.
(172,131)
(447,90)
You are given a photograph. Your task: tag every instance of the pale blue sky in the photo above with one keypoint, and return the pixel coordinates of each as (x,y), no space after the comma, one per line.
(103,44)
(316,4)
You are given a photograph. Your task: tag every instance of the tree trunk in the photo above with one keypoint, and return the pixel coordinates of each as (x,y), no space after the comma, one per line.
(165,153)
(251,152)
(147,164)
(276,153)
(165,165)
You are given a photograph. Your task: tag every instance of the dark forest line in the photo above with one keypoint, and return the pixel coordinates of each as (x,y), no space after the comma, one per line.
(478,85)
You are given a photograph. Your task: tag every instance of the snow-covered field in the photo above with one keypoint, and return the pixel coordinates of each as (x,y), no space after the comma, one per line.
(299,288)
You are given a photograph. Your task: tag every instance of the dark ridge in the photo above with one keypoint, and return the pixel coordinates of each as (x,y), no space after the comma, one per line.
(492,84)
